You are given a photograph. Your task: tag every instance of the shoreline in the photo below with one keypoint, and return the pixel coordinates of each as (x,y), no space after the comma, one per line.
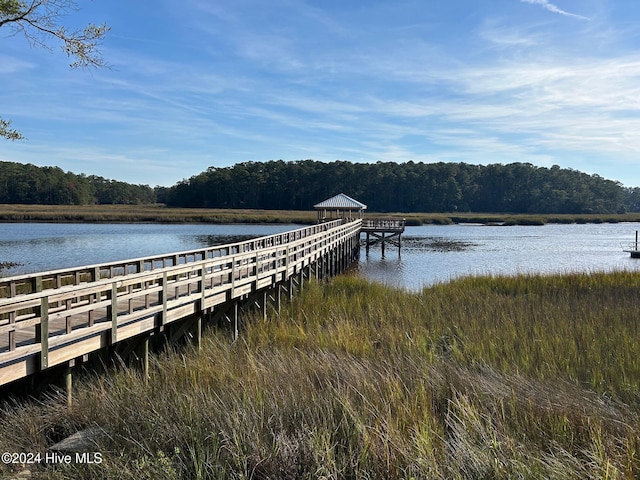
(158,213)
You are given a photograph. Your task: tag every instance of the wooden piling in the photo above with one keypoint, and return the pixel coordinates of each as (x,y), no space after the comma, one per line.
(68,383)
(145,358)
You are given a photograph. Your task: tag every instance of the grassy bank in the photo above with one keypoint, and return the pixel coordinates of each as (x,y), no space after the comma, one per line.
(523,377)
(514,219)
(147,214)
(162,214)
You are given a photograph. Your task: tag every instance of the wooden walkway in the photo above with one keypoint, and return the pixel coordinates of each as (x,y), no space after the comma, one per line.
(58,317)
(383,231)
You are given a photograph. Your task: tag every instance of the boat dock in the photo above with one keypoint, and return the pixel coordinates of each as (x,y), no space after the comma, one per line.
(62,318)
(383,231)
(632,247)
(52,322)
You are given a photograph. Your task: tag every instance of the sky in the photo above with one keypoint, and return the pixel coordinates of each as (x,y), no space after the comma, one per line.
(210,83)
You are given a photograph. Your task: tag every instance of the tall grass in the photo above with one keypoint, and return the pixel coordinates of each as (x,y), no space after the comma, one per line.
(162,214)
(148,213)
(494,377)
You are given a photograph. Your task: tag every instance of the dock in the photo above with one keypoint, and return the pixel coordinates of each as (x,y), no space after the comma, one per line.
(61,319)
(53,322)
(376,230)
(383,232)
(632,248)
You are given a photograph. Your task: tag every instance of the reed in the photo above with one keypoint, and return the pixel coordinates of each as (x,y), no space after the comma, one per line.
(485,377)
(147,213)
(162,214)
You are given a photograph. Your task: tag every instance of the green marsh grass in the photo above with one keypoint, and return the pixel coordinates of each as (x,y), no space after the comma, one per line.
(155,213)
(485,377)
(158,213)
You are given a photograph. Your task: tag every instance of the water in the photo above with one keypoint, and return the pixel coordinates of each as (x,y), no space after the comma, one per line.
(430,254)
(435,254)
(51,246)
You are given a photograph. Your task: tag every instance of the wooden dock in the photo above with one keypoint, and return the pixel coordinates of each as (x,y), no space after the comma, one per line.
(60,318)
(632,247)
(383,232)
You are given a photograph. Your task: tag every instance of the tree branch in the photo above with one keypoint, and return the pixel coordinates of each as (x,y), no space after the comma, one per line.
(40,19)
(7,132)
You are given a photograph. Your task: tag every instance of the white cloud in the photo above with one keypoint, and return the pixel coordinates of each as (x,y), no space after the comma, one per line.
(12,65)
(553,8)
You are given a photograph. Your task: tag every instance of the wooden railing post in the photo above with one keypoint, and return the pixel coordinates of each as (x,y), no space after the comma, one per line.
(12,318)
(163,298)
(233,277)
(113,312)
(203,285)
(42,333)
(37,284)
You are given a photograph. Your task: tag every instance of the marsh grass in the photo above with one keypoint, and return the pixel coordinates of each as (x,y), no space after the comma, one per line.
(159,213)
(147,213)
(485,377)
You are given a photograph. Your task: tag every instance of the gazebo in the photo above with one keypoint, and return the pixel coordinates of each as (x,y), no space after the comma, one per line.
(339,206)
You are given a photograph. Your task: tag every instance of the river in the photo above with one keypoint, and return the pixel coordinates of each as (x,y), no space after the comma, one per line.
(430,254)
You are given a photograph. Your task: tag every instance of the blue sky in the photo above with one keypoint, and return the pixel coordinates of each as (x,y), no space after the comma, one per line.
(202,83)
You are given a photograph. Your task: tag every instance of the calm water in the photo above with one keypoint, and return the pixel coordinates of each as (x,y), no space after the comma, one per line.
(429,254)
(50,246)
(432,254)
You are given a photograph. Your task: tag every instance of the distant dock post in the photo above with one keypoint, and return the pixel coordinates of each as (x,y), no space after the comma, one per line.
(632,248)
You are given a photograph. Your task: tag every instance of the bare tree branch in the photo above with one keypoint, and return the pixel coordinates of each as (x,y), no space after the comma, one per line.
(7,132)
(40,23)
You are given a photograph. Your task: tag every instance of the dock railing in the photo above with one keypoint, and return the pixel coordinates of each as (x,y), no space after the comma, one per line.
(632,247)
(48,318)
(387,225)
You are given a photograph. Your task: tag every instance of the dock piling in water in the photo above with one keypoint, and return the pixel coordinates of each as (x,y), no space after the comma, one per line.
(383,231)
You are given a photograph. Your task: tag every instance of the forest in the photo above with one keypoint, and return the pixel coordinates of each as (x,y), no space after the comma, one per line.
(29,184)
(404,187)
(298,185)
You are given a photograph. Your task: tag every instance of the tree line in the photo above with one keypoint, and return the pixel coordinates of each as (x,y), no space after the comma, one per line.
(404,187)
(383,187)
(29,184)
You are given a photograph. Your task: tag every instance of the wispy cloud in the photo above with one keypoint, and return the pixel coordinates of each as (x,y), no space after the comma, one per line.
(553,8)
(256,81)
(11,65)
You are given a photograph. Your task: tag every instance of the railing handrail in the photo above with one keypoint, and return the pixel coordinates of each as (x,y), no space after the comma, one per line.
(67,321)
(384,223)
(171,269)
(206,253)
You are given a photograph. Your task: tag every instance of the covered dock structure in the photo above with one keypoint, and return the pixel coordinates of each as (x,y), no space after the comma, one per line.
(339,206)
(381,231)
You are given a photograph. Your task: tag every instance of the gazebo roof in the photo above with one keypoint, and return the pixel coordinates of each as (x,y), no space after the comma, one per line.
(341,202)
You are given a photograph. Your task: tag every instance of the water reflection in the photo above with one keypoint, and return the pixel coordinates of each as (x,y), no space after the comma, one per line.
(215,240)
(429,254)
(34,242)
(437,244)
(388,269)
(435,254)
(33,247)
